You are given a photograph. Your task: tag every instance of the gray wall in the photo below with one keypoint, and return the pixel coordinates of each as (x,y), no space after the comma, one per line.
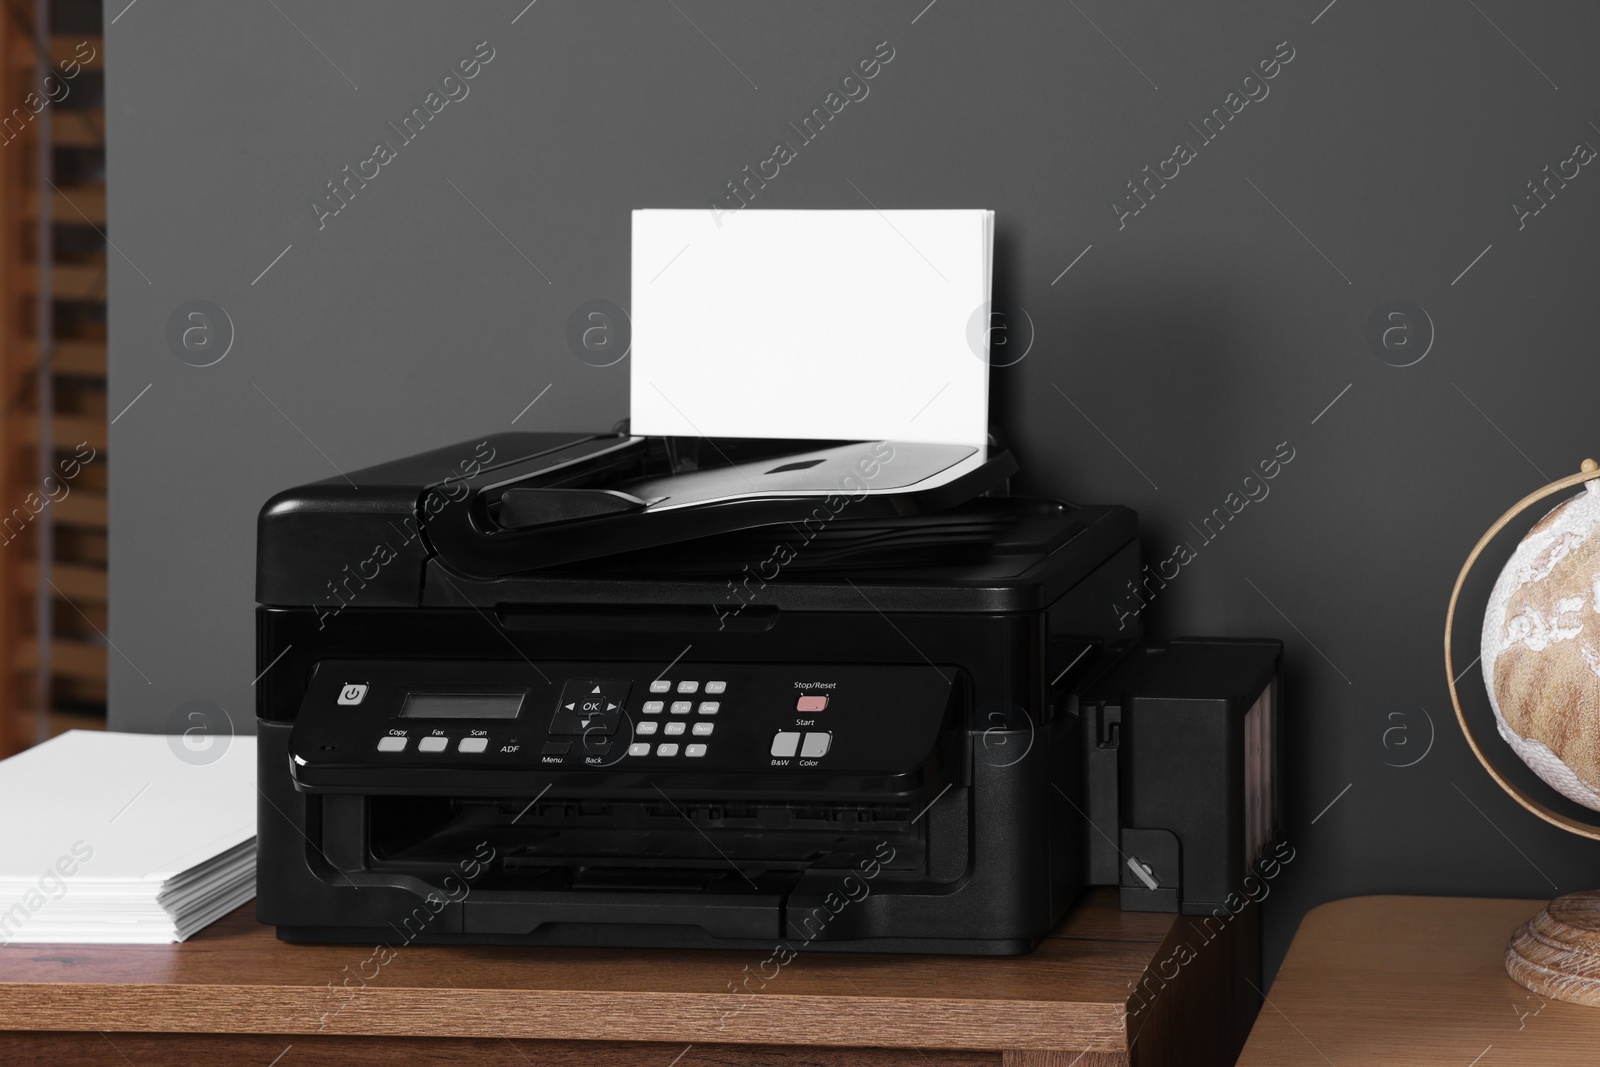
(1180,350)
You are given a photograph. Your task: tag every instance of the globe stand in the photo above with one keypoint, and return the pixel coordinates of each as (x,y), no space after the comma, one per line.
(1556,954)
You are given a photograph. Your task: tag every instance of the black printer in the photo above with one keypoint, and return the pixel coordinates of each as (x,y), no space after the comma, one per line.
(598,689)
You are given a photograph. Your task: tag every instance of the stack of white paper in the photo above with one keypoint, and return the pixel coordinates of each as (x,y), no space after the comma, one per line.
(825,325)
(128,838)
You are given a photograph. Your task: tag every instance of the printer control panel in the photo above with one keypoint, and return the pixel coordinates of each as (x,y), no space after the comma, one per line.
(505,715)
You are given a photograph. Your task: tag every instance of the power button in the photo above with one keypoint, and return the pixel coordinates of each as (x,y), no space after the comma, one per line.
(352,693)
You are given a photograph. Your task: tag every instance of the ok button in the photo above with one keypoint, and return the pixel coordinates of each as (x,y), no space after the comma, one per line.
(589,705)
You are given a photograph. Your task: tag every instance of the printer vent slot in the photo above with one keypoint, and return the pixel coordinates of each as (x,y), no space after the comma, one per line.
(640,879)
(798,465)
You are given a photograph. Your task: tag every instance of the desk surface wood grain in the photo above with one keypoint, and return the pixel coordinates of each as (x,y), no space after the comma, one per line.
(235,977)
(1416,981)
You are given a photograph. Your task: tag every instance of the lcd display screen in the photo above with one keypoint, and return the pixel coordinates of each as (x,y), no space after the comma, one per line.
(463,704)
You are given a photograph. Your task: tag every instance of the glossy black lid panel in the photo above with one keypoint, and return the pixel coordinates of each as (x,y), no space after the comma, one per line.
(998,554)
(521,503)
(361,532)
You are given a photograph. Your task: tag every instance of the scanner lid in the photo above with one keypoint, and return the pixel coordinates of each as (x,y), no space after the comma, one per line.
(520,503)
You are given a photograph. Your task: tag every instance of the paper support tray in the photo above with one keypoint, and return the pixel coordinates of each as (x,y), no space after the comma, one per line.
(594,499)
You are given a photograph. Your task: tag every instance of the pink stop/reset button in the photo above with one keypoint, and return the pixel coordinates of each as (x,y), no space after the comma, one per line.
(811,704)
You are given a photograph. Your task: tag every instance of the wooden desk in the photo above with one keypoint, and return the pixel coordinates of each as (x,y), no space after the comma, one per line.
(1071,1002)
(1416,981)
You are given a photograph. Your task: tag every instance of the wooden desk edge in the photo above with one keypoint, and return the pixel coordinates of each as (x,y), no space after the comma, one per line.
(1329,910)
(764,1019)
(1184,1018)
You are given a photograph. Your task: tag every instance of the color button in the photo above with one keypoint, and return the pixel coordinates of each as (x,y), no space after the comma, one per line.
(784,744)
(433,744)
(694,751)
(703,729)
(816,745)
(473,744)
(713,688)
(639,748)
(392,744)
(811,704)
(667,750)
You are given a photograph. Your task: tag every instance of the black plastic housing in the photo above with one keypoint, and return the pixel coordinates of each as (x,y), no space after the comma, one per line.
(951,813)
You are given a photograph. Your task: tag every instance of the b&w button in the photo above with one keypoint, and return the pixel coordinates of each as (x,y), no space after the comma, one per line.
(784,744)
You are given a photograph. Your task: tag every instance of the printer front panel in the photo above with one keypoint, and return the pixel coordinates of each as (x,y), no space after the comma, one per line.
(444,725)
(848,753)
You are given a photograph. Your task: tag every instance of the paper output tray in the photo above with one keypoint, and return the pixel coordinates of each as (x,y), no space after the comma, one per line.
(606,496)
